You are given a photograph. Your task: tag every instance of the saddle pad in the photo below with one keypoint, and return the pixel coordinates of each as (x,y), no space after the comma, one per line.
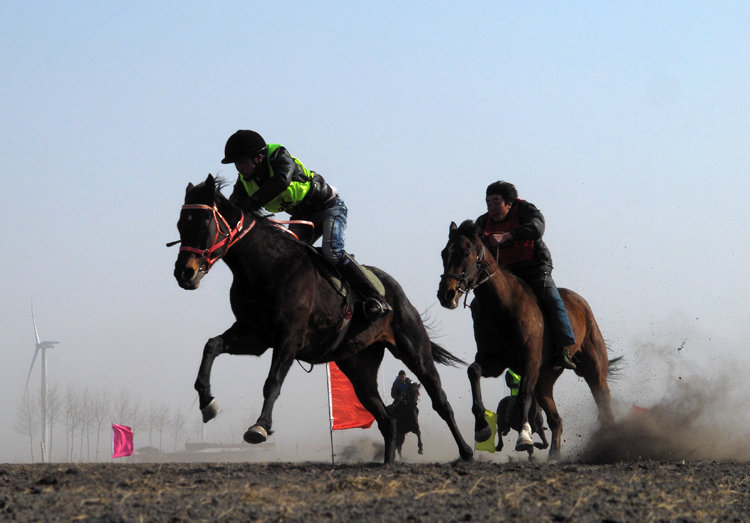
(339,286)
(330,273)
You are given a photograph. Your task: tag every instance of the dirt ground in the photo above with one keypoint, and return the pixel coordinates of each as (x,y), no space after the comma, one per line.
(631,491)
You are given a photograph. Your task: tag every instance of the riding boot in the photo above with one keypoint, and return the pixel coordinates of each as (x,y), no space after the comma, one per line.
(562,358)
(374,305)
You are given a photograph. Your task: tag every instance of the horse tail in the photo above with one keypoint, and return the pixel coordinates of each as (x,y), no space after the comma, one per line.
(614,368)
(443,357)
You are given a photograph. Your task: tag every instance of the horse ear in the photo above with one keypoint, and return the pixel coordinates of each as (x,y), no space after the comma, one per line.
(453,227)
(189,188)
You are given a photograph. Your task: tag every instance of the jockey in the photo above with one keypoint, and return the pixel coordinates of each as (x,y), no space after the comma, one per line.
(513,229)
(269,177)
(400,387)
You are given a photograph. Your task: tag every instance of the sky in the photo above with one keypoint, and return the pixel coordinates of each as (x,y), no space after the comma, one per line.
(625,123)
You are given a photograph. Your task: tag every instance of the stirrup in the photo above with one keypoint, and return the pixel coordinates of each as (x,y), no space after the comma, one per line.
(375,308)
(563,359)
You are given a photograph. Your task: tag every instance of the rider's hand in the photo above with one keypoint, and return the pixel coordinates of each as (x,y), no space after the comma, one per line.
(500,238)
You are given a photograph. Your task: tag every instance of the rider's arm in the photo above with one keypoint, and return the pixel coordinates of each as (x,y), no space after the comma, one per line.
(283,167)
(532,222)
(240,198)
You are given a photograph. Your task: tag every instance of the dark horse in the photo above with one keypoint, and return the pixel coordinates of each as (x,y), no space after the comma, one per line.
(282,300)
(509,417)
(510,332)
(406,413)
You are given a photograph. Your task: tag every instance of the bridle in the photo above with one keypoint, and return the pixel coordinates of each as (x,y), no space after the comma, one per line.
(467,282)
(223,239)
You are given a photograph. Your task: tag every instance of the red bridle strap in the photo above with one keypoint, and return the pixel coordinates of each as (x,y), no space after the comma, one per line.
(221,239)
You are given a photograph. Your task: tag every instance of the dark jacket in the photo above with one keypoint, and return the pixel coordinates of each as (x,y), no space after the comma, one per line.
(399,390)
(285,171)
(531,228)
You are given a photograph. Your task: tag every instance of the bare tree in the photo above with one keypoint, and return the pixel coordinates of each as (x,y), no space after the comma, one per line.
(99,414)
(162,421)
(54,411)
(74,416)
(151,422)
(85,422)
(177,425)
(26,423)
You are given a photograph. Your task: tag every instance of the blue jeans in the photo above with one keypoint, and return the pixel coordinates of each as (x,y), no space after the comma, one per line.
(553,308)
(330,223)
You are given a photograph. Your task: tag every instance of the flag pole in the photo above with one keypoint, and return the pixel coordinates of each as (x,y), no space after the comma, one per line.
(330,410)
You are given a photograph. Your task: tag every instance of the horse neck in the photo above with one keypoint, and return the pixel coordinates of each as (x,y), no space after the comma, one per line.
(501,286)
(259,252)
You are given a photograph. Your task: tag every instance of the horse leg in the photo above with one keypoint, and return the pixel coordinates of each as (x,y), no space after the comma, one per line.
(362,370)
(597,382)
(400,439)
(502,430)
(206,402)
(525,397)
(546,400)
(538,427)
(414,348)
(419,441)
(482,430)
(280,364)
(234,340)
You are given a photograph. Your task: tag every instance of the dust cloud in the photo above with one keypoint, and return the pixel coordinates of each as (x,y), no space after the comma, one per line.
(699,416)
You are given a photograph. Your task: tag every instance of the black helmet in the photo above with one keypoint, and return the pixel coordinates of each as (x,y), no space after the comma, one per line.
(241,145)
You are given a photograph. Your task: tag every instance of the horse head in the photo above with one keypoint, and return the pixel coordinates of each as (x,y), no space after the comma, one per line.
(463,263)
(205,231)
(412,397)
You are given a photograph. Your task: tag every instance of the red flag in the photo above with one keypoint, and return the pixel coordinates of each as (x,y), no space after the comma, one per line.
(345,410)
(122,441)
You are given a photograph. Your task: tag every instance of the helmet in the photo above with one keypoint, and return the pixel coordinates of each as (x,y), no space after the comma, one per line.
(241,145)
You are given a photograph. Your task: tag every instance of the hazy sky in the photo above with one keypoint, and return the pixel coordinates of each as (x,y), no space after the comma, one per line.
(625,123)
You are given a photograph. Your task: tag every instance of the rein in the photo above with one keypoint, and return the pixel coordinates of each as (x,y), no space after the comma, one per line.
(469,282)
(280,224)
(222,239)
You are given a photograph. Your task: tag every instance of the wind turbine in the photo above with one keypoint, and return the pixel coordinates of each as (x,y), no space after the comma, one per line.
(43,345)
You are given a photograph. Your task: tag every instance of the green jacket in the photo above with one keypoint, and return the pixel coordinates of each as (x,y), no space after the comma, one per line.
(282,183)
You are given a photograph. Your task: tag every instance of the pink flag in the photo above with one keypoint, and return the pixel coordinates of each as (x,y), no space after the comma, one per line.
(122,441)
(345,409)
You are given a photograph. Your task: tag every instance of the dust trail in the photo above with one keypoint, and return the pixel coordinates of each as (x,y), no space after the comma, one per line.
(701,416)
(362,449)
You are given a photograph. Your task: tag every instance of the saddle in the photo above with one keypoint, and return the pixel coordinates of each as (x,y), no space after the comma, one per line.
(332,275)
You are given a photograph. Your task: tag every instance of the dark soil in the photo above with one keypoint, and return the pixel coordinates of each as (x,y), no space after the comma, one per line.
(630,491)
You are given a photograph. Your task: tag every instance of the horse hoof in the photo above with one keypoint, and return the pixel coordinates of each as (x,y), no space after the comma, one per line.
(521,445)
(524,441)
(483,434)
(255,434)
(210,411)
(421,451)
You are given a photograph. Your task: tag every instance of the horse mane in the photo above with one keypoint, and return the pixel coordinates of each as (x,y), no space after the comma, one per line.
(468,228)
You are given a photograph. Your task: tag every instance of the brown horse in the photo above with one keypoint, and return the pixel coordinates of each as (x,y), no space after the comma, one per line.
(510,332)
(282,300)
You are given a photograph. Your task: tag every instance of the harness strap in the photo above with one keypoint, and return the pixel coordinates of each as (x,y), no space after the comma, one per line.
(232,236)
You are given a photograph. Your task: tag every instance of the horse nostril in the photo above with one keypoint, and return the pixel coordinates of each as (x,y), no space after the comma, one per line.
(184,273)
(450,294)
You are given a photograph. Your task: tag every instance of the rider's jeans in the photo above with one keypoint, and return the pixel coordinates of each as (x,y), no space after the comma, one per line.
(331,224)
(554,309)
